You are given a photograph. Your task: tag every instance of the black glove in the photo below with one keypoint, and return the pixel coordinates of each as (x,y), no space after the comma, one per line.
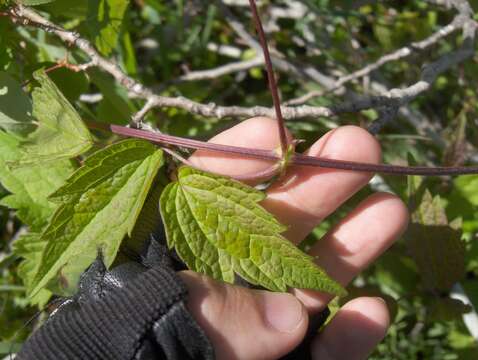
(135,311)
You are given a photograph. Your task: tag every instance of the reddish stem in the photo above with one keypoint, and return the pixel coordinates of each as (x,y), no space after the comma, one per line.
(297,159)
(272,81)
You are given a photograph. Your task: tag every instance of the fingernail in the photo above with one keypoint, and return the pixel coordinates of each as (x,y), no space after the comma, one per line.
(283,312)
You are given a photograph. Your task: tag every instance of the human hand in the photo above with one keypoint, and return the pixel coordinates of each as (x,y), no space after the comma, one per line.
(254,324)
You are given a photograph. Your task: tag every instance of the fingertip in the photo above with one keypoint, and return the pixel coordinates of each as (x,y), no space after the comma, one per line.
(372,308)
(349,142)
(361,324)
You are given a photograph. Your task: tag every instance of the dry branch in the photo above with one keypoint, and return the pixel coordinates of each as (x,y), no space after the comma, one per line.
(391,99)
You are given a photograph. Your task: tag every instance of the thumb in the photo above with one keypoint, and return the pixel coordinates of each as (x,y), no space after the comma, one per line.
(243,323)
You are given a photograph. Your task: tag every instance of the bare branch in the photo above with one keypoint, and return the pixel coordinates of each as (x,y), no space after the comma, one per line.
(393,98)
(457,23)
(222,70)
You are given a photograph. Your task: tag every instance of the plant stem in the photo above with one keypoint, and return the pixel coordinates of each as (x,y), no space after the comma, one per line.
(296,159)
(272,82)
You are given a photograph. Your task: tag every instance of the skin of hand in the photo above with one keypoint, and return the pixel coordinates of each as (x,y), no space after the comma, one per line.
(254,324)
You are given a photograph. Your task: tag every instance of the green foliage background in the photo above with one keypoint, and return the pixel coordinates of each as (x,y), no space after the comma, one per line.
(157,41)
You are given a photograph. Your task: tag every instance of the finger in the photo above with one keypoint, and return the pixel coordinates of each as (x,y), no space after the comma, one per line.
(356,241)
(308,194)
(243,323)
(359,325)
(258,133)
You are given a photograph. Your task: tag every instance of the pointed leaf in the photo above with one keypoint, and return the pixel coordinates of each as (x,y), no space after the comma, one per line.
(30,186)
(218,228)
(61,133)
(99,205)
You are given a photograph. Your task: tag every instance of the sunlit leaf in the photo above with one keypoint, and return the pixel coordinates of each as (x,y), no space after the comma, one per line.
(61,134)
(98,206)
(30,186)
(105,18)
(218,228)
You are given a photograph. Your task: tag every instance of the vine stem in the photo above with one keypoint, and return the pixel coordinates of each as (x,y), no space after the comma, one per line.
(296,159)
(271,78)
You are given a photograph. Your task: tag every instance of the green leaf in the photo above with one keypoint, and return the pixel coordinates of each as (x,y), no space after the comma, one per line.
(218,228)
(436,246)
(61,133)
(463,202)
(30,247)
(468,187)
(15,107)
(71,84)
(99,205)
(30,186)
(147,221)
(105,20)
(447,309)
(9,347)
(116,107)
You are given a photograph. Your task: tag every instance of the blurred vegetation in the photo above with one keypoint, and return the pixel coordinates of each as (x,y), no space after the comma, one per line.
(157,41)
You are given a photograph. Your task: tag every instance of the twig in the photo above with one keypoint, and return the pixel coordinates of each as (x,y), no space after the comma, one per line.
(212,110)
(284,141)
(457,23)
(221,70)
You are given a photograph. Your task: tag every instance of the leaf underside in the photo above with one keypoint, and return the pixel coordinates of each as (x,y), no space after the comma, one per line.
(218,228)
(98,206)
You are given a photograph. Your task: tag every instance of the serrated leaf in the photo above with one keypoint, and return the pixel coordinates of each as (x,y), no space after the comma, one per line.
(30,186)
(105,20)
(99,205)
(430,211)
(61,133)
(436,247)
(218,228)
(15,107)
